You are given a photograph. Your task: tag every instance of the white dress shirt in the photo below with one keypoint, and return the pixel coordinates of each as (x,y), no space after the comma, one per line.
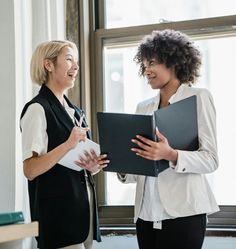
(34,130)
(151,197)
(34,135)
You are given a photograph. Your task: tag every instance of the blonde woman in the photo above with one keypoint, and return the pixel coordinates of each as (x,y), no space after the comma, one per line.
(61,199)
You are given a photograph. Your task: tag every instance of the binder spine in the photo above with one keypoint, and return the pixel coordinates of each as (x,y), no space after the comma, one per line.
(155,138)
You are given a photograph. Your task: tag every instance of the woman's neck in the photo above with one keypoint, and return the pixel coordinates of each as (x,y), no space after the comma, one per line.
(167,91)
(59,93)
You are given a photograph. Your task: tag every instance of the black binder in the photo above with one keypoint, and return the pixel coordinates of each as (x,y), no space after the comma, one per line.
(177,122)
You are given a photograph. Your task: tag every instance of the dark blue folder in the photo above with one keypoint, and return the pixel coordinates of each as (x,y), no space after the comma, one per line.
(177,122)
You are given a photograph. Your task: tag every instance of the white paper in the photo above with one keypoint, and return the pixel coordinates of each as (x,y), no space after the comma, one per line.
(74,154)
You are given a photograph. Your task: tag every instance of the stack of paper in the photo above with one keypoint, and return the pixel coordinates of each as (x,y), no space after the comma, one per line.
(74,155)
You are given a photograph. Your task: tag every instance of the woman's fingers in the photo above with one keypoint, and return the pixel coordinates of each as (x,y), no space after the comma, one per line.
(147,148)
(143,153)
(103,161)
(144,140)
(160,136)
(141,144)
(92,162)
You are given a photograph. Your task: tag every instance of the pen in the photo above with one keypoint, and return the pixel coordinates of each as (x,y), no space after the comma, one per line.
(81,120)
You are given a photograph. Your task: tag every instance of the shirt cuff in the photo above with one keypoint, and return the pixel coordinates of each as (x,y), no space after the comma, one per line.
(179,167)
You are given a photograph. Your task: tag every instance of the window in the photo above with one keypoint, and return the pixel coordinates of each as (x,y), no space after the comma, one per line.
(124,89)
(125,13)
(116,86)
(121,80)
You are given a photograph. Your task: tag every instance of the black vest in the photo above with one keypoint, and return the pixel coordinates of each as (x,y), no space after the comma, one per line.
(59,198)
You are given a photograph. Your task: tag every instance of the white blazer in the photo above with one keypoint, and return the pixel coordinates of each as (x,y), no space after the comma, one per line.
(184,190)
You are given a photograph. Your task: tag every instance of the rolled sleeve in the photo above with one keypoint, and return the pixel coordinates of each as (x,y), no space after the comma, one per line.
(34,135)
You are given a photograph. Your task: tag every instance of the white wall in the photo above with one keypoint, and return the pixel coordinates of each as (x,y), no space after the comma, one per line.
(23,25)
(8,103)
(7,107)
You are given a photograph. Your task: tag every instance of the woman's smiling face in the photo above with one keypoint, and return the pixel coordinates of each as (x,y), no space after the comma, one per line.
(158,75)
(64,72)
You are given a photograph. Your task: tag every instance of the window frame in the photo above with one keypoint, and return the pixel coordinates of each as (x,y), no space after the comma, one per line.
(216,27)
(121,217)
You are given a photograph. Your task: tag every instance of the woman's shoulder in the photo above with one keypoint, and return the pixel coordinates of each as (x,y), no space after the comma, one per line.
(146,106)
(35,107)
(200,92)
(148,102)
(33,110)
(204,96)
(38,104)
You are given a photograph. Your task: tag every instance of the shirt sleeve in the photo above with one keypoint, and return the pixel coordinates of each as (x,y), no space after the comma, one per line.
(34,135)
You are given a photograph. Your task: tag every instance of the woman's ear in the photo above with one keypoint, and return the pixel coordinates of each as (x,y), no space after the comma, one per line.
(48,65)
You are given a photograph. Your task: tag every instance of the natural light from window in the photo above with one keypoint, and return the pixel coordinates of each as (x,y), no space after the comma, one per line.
(121,13)
(124,89)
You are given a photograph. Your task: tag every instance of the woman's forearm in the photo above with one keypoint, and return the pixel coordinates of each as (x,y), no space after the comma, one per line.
(37,165)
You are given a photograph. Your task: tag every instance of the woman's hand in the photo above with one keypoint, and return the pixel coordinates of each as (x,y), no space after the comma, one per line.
(92,162)
(155,150)
(77,135)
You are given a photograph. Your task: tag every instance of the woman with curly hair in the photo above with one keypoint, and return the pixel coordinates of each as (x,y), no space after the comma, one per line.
(171,209)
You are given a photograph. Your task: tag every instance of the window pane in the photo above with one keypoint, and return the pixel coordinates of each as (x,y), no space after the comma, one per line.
(121,13)
(124,89)
(218,76)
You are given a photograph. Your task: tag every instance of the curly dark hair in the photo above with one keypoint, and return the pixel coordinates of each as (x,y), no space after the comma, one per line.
(174,49)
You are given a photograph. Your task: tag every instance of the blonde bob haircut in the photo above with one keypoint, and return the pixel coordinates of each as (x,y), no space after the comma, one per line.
(46,50)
